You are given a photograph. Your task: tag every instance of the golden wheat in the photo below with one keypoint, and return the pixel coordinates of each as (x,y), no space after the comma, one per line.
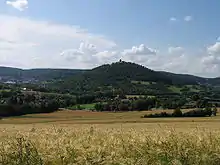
(57,145)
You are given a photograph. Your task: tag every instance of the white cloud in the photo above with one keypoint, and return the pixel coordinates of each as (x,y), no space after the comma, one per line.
(188,18)
(18,4)
(176,60)
(175,50)
(28,43)
(88,56)
(173,19)
(84,55)
(139,50)
(139,54)
(211,62)
(214,49)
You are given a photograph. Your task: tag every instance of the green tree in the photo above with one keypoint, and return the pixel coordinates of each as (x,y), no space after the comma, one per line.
(177,112)
(214,111)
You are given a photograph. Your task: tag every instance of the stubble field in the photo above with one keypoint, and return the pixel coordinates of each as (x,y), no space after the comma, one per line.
(86,138)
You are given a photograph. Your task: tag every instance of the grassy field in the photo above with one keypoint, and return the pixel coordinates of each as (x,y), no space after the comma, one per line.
(83,107)
(175,89)
(86,138)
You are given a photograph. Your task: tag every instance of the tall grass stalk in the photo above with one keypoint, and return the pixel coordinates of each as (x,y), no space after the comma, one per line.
(51,146)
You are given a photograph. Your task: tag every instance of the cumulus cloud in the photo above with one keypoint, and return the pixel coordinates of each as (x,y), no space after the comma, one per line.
(176,59)
(188,18)
(139,50)
(173,19)
(85,55)
(88,56)
(214,49)
(28,43)
(211,62)
(18,4)
(139,54)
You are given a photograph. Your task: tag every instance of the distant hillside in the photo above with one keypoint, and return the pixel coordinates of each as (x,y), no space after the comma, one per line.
(47,74)
(125,71)
(185,78)
(125,76)
(8,73)
(128,77)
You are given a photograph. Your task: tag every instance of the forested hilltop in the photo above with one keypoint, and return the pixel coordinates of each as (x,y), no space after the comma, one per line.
(130,78)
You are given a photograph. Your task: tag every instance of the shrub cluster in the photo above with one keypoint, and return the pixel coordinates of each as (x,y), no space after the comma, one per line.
(178,113)
(127,104)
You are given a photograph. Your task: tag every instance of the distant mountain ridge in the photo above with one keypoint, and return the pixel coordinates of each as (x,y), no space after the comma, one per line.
(106,74)
(9,73)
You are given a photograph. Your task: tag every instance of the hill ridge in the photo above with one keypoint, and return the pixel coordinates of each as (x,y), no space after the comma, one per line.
(114,71)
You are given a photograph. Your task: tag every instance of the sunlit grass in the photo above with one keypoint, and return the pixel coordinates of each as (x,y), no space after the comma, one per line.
(92,145)
(86,138)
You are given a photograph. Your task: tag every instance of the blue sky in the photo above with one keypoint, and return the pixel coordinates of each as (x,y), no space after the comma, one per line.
(179,36)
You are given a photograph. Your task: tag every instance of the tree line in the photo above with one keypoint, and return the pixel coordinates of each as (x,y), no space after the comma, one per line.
(208,111)
(18,103)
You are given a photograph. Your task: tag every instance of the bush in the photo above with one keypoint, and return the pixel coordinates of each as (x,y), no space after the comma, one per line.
(177,113)
(208,111)
(99,107)
(214,111)
(198,113)
(123,107)
(156,115)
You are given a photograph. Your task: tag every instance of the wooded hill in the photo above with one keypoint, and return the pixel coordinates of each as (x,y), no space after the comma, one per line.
(8,73)
(126,77)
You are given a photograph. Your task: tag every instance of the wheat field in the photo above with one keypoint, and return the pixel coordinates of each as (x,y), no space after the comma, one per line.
(62,138)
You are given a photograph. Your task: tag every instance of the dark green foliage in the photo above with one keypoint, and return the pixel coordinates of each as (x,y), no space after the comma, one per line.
(39,74)
(116,77)
(27,103)
(214,111)
(208,110)
(105,81)
(177,112)
(156,115)
(202,103)
(123,107)
(99,107)
(172,102)
(197,113)
(85,99)
(195,97)
(127,104)
(183,79)
(108,85)
(143,104)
